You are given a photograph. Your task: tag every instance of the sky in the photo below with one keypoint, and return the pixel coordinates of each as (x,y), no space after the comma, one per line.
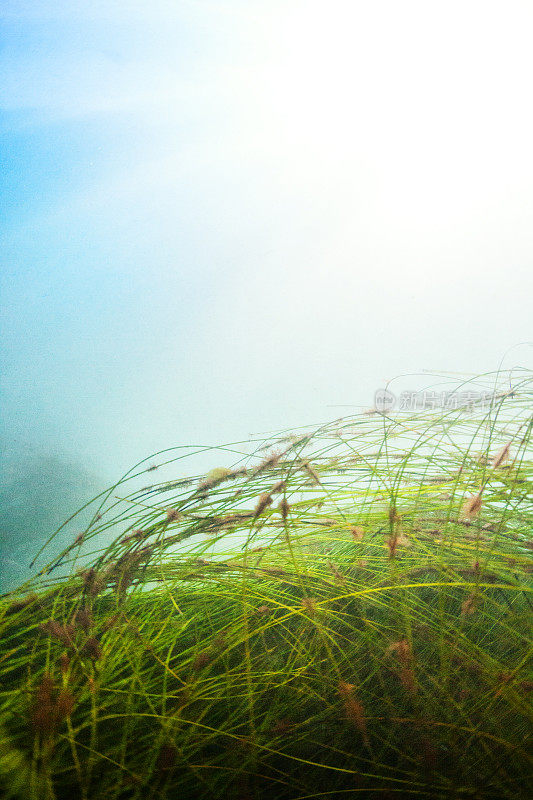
(224,218)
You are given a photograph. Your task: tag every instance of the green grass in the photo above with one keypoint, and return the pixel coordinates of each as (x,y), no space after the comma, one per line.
(332,616)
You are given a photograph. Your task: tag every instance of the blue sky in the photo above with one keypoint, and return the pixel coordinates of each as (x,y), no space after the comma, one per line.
(225,217)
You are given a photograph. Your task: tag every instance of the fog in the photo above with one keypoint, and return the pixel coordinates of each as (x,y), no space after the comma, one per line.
(227,218)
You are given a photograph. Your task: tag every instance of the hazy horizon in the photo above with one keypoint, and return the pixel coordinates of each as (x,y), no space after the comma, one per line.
(221,219)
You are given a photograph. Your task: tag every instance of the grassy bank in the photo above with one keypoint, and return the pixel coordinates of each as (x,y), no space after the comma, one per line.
(344,612)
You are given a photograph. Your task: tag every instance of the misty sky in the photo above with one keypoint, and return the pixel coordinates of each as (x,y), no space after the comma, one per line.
(220,218)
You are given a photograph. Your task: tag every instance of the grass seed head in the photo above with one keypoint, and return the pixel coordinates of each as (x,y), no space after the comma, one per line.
(311,472)
(264,500)
(88,576)
(470,605)
(394,517)
(42,712)
(472,506)
(269,462)
(94,582)
(92,649)
(407,678)
(19,605)
(284,509)
(355,713)
(396,540)
(353,708)
(201,660)
(402,649)
(501,456)
(392,543)
(339,577)
(357,533)
(135,536)
(213,477)
(83,618)
(45,689)
(346,689)
(64,705)
(309,605)
(63,633)
(50,708)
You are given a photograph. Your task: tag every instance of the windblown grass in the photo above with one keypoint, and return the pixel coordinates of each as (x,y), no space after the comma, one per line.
(345,613)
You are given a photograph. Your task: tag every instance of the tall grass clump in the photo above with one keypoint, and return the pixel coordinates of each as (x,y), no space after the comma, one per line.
(343,612)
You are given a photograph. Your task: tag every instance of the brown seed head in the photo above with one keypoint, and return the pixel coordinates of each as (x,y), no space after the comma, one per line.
(501,456)
(88,576)
(309,605)
(407,678)
(63,633)
(469,606)
(64,705)
(393,515)
(392,543)
(21,604)
(472,506)
(264,500)
(269,461)
(346,689)
(135,535)
(42,711)
(83,618)
(402,649)
(357,533)
(339,577)
(355,713)
(91,648)
(311,472)
(284,509)
(201,660)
